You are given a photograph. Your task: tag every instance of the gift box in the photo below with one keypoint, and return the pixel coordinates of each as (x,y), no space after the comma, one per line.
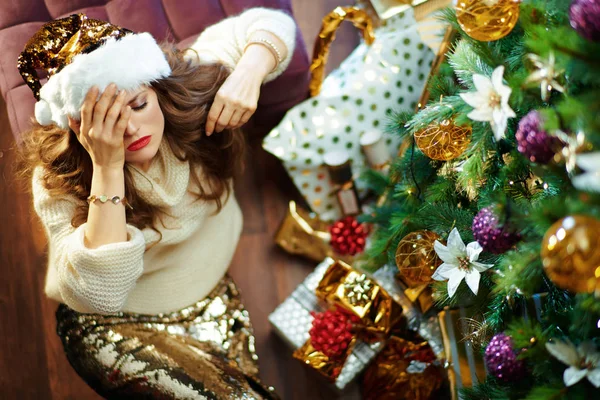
(404,370)
(353,102)
(446,331)
(426,325)
(423,9)
(330,284)
(305,234)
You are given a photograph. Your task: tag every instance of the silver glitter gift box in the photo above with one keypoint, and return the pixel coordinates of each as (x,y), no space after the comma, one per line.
(292,321)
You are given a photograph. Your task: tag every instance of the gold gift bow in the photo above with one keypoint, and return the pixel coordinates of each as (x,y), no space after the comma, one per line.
(301,234)
(378,312)
(332,21)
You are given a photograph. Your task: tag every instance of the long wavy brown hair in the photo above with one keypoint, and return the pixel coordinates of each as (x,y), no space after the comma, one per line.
(185,98)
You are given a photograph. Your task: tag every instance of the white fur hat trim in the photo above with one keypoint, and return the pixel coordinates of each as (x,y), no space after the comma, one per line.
(129,62)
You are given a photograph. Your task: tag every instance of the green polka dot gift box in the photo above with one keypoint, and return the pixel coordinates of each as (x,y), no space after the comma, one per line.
(355,99)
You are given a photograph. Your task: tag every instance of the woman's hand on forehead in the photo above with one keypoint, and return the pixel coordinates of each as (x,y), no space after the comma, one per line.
(100,131)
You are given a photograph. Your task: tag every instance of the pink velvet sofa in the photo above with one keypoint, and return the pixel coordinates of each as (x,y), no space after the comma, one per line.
(180,21)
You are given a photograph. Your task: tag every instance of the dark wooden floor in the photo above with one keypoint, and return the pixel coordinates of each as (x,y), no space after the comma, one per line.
(32,364)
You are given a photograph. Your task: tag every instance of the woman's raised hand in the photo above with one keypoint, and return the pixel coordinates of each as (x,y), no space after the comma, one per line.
(235,102)
(102,126)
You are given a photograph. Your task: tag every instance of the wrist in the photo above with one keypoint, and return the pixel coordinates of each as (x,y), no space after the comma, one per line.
(256,61)
(107,170)
(108,181)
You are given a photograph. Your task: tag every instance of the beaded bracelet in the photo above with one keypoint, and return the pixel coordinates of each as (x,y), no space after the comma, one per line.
(103,199)
(270,46)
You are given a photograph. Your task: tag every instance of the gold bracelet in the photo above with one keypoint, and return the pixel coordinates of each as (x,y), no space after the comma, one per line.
(270,46)
(103,199)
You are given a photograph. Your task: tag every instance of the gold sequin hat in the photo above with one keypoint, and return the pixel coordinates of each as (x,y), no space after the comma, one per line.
(77,53)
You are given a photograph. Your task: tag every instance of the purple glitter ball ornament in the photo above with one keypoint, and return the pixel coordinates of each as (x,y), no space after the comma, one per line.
(535,143)
(501,359)
(493,238)
(585,18)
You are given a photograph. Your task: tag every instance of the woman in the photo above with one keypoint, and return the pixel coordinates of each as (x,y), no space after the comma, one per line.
(131,164)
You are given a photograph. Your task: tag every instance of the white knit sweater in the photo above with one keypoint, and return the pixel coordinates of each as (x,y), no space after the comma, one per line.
(197,244)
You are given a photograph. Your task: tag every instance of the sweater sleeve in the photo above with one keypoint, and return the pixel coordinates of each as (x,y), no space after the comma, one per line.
(89,280)
(226,40)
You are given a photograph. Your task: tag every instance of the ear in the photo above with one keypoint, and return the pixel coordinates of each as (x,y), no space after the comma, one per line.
(74,124)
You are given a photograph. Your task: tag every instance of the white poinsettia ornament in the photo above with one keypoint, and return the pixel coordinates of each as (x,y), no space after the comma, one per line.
(460,262)
(590,179)
(583,361)
(490,101)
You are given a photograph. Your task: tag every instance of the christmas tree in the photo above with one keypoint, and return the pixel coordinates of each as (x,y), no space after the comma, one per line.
(495,199)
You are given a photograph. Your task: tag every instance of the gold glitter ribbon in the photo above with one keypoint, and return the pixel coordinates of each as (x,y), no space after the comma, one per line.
(378,312)
(332,21)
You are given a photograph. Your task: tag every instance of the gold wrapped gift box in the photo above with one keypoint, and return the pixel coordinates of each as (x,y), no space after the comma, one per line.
(404,370)
(346,288)
(332,284)
(446,332)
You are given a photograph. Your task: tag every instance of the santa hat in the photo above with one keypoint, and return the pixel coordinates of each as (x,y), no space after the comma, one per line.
(78,53)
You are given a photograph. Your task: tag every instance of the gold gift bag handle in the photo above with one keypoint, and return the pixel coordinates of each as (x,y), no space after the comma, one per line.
(359,18)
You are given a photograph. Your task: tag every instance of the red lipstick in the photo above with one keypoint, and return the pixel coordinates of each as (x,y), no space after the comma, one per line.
(139,144)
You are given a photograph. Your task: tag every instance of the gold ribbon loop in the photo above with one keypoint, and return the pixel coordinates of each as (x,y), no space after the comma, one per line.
(359,18)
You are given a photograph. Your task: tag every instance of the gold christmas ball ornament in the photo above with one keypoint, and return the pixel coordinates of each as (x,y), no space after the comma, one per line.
(416,259)
(487,20)
(571,254)
(443,141)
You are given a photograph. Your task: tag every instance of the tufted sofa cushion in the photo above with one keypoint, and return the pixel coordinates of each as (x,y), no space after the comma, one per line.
(179,21)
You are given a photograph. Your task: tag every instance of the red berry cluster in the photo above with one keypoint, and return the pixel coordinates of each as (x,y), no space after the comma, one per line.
(348,236)
(331,332)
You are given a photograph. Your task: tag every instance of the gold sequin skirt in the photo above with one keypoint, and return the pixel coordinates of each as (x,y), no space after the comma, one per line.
(205,351)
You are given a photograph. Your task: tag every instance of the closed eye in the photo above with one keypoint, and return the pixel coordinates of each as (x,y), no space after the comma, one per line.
(140,107)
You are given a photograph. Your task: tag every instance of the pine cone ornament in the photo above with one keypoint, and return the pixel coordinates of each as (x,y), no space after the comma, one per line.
(331,332)
(348,236)
(492,237)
